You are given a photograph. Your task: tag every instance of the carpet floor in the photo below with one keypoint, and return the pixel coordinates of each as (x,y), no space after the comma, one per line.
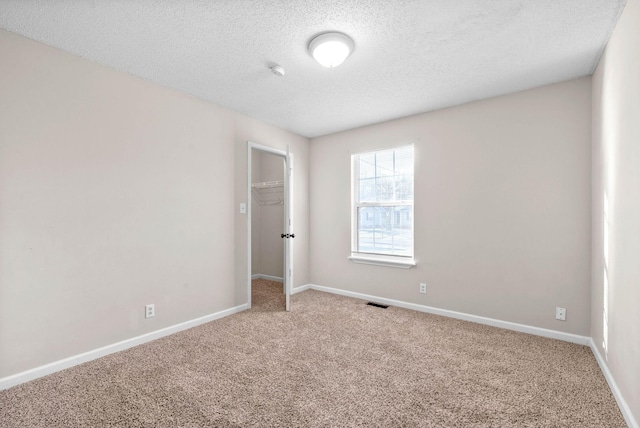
(333,361)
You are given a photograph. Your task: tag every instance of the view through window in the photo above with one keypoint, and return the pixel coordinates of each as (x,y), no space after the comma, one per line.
(383,202)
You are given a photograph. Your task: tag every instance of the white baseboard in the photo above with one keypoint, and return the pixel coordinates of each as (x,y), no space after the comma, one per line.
(268,277)
(622,404)
(56,366)
(300,289)
(553,334)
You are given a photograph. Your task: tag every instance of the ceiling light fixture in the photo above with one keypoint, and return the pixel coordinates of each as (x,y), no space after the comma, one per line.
(331,49)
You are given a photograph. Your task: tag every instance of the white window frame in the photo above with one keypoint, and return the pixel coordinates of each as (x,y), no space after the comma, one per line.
(389,260)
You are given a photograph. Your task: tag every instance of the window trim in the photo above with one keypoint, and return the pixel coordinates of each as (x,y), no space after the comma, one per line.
(387,260)
(402,262)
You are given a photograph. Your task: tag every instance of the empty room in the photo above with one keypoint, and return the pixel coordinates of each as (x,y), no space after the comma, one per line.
(320,213)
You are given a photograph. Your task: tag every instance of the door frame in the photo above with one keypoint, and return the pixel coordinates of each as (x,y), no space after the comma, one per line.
(287,274)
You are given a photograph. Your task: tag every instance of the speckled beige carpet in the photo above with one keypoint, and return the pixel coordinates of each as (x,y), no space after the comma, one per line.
(331,362)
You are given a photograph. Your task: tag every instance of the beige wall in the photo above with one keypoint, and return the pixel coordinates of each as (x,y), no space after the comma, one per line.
(502,208)
(115,193)
(615,321)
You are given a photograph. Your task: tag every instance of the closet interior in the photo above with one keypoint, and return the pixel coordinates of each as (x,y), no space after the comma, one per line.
(267,216)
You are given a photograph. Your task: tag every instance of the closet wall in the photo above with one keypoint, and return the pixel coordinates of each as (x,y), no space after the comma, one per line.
(267,215)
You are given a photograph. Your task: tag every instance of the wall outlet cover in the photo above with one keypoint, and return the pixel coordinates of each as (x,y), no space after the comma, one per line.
(149,311)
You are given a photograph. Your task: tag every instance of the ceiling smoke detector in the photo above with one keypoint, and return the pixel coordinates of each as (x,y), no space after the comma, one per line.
(331,49)
(277,70)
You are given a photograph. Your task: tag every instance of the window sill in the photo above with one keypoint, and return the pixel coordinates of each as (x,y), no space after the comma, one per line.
(395,262)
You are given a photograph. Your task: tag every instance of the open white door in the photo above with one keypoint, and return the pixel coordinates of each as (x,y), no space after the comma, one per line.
(288,228)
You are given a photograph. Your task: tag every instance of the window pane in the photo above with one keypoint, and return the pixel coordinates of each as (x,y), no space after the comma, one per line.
(385,230)
(384,189)
(404,161)
(404,188)
(367,190)
(404,173)
(384,163)
(367,165)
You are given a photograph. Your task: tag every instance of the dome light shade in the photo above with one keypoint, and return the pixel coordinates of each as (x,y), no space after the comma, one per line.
(331,49)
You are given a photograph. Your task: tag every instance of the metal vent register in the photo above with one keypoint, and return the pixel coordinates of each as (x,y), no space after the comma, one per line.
(378,305)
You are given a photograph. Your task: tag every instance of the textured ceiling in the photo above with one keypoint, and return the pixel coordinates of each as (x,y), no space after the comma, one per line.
(409,57)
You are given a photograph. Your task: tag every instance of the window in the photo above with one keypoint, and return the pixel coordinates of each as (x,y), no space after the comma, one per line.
(382,207)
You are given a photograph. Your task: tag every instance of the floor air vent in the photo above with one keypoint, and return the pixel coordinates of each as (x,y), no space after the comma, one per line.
(378,305)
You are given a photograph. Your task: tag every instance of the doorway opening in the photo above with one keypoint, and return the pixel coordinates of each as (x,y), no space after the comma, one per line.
(269,240)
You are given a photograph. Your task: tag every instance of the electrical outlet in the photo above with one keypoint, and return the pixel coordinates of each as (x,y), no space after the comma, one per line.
(561,314)
(149,311)
(423,288)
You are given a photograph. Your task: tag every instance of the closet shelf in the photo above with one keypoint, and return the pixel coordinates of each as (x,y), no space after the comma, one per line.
(268,192)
